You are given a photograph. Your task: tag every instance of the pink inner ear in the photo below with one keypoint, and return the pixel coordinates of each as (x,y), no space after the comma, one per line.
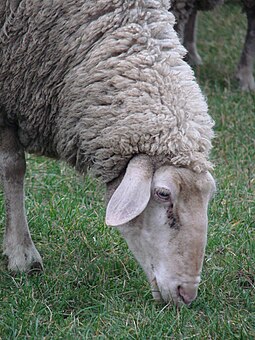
(132,195)
(128,201)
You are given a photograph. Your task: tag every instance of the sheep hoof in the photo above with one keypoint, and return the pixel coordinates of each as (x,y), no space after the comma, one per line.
(246,80)
(193,59)
(247,85)
(35,268)
(24,259)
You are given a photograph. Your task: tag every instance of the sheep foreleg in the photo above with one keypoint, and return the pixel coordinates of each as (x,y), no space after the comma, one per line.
(189,41)
(245,66)
(18,245)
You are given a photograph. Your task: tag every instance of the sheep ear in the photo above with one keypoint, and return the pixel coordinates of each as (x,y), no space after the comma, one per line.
(133,194)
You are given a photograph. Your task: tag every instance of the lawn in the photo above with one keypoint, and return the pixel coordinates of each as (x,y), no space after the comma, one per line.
(91,286)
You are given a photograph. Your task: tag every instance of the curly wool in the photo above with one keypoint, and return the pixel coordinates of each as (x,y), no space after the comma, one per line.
(97,82)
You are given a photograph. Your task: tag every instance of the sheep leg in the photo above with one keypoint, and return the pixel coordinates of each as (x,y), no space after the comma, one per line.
(245,66)
(193,58)
(18,245)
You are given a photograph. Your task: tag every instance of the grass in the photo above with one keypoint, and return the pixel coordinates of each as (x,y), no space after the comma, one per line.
(92,287)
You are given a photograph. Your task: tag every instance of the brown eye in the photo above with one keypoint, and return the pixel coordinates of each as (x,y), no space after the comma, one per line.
(162,194)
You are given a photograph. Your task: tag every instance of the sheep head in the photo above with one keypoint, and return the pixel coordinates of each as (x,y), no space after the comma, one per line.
(162,214)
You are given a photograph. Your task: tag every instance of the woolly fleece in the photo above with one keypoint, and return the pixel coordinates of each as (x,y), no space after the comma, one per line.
(97,82)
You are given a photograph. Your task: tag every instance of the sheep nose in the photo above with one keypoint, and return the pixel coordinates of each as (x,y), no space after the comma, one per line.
(188,292)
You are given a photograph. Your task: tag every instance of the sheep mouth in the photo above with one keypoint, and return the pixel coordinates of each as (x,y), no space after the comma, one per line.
(169,300)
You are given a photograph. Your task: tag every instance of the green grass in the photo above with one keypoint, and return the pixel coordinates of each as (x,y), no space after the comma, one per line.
(92,287)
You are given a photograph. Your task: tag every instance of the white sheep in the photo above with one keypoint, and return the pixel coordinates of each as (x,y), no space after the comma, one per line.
(103,85)
(185,12)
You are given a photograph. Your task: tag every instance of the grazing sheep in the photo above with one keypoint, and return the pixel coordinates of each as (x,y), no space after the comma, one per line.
(185,12)
(103,85)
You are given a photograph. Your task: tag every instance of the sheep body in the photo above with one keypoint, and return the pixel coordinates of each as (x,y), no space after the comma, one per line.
(102,87)
(102,84)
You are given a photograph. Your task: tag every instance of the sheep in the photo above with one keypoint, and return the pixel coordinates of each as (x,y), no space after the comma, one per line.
(186,16)
(185,12)
(102,85)
(244,72)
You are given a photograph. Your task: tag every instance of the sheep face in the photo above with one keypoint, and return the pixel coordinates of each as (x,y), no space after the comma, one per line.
(163,217)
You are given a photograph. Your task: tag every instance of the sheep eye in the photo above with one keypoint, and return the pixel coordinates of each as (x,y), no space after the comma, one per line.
(163,194)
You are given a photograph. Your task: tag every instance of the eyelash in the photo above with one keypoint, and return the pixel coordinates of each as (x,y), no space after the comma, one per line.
(162,194)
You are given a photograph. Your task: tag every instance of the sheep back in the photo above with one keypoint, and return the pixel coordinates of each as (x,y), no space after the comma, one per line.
(96,82)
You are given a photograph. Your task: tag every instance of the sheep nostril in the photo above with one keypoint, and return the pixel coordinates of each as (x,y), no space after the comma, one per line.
(187,294)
